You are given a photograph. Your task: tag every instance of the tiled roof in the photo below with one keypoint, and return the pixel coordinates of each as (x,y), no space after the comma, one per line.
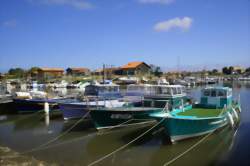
(79,69)
(52,69)
(132,65)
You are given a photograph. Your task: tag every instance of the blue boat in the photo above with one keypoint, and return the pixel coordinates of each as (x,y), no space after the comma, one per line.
(215,110)
(33,101)
(100,95)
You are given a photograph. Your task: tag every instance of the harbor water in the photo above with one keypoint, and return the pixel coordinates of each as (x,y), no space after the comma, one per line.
(23,138)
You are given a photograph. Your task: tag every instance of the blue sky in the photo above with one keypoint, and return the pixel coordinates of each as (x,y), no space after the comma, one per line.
(88,33)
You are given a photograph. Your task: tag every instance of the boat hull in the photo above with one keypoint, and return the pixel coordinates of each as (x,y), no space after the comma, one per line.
(73,111)
(31,106)
(119,117)
(179,129)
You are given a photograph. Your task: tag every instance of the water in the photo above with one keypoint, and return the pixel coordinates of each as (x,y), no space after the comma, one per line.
(83,145)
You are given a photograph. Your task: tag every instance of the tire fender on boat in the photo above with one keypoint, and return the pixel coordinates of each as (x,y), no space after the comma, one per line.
(230,119)
(239,109)
(235,114)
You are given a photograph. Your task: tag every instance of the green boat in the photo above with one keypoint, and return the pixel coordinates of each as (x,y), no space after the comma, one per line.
(153,102)
(215,110)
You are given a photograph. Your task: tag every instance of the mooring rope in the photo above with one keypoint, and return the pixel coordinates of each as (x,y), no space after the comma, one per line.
(189,149)
(50,141)
(124,146)
(116,126)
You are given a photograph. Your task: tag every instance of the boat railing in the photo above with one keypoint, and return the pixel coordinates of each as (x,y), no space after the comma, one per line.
(166,107)
(223,110)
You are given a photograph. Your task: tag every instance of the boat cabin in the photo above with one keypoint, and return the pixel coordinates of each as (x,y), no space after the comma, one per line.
(103,90)
(217,97)
(138,89)
(159,95)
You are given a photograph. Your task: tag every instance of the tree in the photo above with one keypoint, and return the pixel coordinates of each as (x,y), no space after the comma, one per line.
(214,71)
(226,70)
(247,69)
(231,69)
(17,72)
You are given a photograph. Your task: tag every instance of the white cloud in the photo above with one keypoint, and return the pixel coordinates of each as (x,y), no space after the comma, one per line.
(10,23)
(156,1)
(79,4)
(182,23)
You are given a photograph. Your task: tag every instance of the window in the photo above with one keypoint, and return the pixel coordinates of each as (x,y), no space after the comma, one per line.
(206,93)
(221,93)
(174,91)
(213,93)
(166,91)
(158,90)
(179,90)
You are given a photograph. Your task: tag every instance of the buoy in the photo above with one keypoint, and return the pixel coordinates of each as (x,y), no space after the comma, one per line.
(46,108)
(230,118)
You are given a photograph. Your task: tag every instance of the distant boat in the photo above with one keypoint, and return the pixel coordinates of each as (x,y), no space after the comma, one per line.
(244,78)
(215,110)
(127,80)
(61,84)
(78,85)
(33,101)
(154,100)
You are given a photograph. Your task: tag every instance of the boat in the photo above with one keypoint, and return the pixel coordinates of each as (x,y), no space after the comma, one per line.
(77,85)
(127,80)
(216,109)
(33,101)
(61,84)
(99,95)
(154,100)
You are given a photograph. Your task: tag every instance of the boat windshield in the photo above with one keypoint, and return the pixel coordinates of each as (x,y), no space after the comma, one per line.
(206,93)
(216,93)
(166,90)
(108,89)
(97,90)
(174,91)
(222,93)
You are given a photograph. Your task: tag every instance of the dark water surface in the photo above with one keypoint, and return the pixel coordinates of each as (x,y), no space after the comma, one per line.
(83,145)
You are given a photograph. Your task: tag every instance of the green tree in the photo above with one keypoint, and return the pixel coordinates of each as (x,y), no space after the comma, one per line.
(214,71)
(226,70)
(247,69)
(17,72)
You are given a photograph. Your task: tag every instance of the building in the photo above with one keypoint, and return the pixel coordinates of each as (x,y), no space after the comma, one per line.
(109,72)
(238,70)
(49,73)
(136,68)
(78,71)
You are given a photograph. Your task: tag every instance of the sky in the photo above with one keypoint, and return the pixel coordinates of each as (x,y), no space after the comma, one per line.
(191,34)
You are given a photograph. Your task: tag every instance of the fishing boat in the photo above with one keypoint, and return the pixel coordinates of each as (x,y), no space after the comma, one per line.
(153,102)
(99,95)
(215,110)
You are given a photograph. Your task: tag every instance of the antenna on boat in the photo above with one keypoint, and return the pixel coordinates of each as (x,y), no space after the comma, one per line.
(103,74)
(182,104)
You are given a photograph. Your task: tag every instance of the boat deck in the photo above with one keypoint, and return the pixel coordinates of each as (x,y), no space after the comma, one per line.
(201,112)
